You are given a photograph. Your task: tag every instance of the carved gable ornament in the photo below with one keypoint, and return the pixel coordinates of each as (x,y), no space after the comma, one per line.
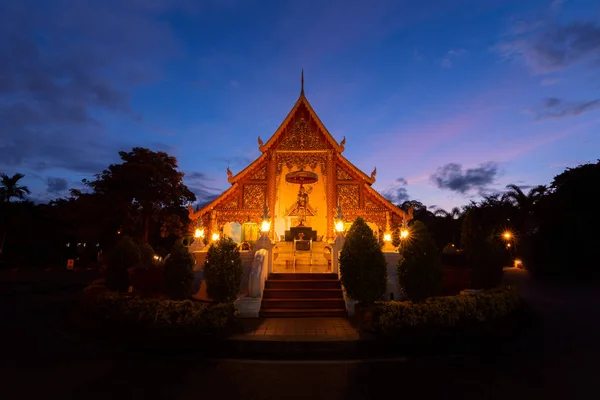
(302,134)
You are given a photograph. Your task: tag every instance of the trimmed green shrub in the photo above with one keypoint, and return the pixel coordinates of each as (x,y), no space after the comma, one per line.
(178,274)
(419,267)
(126,254)
(158,314)
(362,265)
(223,270)
(147,255)
(446,312)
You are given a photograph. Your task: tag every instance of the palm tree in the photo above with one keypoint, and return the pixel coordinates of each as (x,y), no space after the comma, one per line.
(450,224)
(525,203)
(9,188)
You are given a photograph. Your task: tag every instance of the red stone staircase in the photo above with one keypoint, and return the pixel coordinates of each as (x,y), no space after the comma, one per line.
(303,295)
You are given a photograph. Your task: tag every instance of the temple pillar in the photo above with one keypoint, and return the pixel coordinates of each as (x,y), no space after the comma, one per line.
(331,195)
(272,189)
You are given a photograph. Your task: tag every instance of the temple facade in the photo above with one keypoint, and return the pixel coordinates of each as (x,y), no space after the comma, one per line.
(302,177)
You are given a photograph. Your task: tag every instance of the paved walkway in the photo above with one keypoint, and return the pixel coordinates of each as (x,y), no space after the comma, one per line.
(298,329)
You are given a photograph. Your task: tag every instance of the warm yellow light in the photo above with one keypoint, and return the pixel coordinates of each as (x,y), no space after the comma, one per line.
(387,237)
(518,263)
(265,226)
(507,235)
(215,237)
(339,226)
(198,233)
(404,233)
(508,245)
(156,257)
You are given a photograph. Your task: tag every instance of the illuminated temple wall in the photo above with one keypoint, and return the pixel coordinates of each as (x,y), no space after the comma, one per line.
(287,196)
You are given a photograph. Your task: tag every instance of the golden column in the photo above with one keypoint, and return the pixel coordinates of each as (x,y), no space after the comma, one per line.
(331,194)
(272,188)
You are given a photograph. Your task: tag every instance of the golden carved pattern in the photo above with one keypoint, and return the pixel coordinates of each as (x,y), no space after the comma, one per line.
(376,217)
(348,196)
(343,175)
(369,203)
(254,196)
(302,160)
(302,134)
(260,174)
(234,202)
(240,216)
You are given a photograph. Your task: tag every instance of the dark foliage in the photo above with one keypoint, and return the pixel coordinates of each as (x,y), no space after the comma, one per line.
(419,267)
(564,240)
(481,243)
(125,255)
(438,313)
(146,194)
(223,270)
(151,315)
(362,264)
(178,272)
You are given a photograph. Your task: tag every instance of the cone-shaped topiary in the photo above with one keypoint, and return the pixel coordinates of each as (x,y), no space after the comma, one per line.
(178,272)
(420,266)
(126,254)
(362,264)
(223,270)
(147,254)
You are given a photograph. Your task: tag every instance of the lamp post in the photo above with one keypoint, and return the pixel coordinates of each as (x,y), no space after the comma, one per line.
(198,243)
(338,243)
(511,242)
(265,226)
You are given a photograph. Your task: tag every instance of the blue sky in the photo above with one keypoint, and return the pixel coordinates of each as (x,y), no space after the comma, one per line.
(448,99)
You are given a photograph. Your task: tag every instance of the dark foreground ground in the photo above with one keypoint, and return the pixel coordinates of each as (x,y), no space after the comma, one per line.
(42,359)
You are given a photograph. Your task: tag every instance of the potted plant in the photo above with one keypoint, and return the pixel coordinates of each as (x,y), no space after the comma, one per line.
(363,271)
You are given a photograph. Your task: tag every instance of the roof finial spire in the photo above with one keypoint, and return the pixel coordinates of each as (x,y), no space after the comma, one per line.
(302,82)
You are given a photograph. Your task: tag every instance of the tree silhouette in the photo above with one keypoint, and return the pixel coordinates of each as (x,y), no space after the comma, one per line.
(9,188)
(147,189)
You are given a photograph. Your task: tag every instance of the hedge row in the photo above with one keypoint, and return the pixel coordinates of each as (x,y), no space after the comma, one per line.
(437,313)
(118,311)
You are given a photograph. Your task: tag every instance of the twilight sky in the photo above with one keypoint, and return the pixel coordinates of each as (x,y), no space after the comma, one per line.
(448,99)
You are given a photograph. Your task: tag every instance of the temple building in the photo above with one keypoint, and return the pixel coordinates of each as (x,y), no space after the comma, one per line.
(288,210)
(303,179)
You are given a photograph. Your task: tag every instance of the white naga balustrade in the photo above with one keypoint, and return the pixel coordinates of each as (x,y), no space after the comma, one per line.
(249,306)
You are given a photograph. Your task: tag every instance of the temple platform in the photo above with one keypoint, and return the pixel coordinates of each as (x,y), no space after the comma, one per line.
(318,262)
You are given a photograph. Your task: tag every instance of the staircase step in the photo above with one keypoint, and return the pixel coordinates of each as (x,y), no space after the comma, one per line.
(305,303)
(303,284)
(302,293)
(303,312)
(303,276)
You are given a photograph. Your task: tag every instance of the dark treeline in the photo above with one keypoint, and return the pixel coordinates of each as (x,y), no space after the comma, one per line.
(142,197)
(552,229)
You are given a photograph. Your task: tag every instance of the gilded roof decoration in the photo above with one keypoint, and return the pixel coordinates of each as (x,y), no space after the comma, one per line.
(260,174)
(254,196)
(342,174)
(302,161)
(348,196)
(303,135)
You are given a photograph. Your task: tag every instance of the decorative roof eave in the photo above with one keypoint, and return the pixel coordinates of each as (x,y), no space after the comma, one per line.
(232,179)
(263,147)
(369,179)
(193,215)
(389,205)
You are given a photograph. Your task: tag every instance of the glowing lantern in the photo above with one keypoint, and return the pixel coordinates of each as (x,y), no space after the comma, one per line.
(339,220)
(215,237)
(403,233)
(387,237)
(265,226)
(198,233)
